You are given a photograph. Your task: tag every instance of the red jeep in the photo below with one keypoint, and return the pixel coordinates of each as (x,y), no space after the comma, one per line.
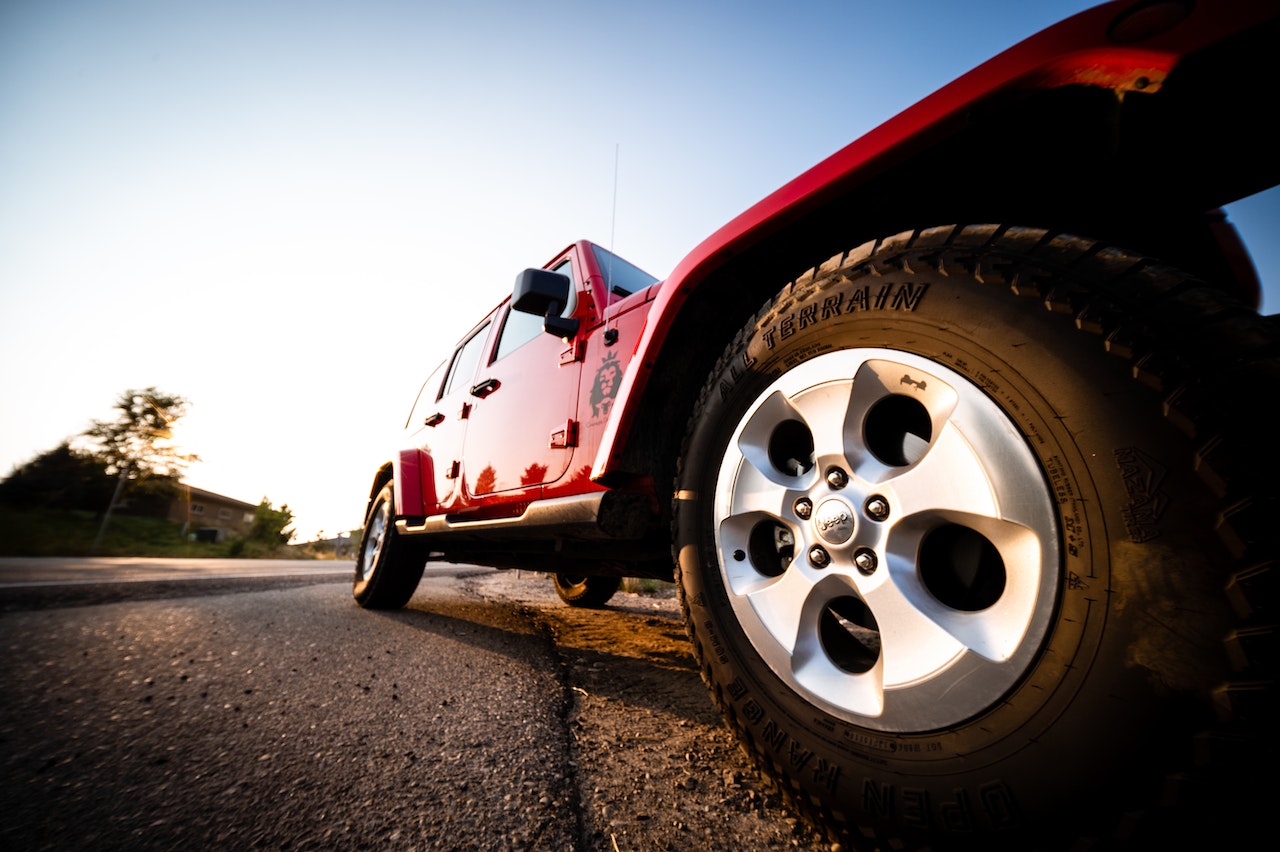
(955,447)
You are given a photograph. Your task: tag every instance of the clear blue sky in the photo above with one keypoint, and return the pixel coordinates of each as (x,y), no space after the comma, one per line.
(287,211)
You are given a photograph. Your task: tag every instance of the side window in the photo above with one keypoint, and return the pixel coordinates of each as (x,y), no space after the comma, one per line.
(518,329)
(621,277)
(427,396)
(466,361)
(566,268)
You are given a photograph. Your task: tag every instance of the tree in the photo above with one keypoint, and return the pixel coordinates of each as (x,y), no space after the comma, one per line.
(135,447)
(269,524)
(61,477)
(136,444)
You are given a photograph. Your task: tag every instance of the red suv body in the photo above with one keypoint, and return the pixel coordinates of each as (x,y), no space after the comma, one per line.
(952,445)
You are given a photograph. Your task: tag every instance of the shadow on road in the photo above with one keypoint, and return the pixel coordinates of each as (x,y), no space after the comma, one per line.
(620,653)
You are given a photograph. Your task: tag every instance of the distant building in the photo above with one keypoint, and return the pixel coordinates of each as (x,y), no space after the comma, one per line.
(208,516)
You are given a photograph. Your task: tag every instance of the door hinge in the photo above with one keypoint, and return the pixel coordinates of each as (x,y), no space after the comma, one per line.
(576,352)
(465,412)
(455,468)
(565,436)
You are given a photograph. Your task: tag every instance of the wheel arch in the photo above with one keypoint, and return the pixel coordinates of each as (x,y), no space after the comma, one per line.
(412,472)
(382,477)
(1066,131)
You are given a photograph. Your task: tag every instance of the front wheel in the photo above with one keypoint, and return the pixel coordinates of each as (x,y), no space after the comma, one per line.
(951,572)
(388,565)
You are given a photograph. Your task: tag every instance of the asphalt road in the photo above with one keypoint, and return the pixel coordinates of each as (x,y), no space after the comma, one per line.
(21,572)
(240,705)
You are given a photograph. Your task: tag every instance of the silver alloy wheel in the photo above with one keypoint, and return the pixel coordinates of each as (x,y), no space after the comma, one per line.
(375,537)
(887,539)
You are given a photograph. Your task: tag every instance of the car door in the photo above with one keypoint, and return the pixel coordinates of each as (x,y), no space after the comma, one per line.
(521,432)
(441,416)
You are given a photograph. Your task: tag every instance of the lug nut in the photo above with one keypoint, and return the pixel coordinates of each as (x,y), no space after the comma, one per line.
(837,478)
(818,557)
(803,508)
(877,508)
(865,559)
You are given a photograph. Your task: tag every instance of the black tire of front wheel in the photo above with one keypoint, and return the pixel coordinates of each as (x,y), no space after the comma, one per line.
(585,592)
(1148,700)
(388,566)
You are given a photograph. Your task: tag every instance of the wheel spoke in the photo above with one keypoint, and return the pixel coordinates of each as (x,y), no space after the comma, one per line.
(859,693)
(779,604)
(755,548)
(827,411)
(756,490)
(777,443)
(896,410)
(949,477)
(913,639)
(996,630)
(836,656)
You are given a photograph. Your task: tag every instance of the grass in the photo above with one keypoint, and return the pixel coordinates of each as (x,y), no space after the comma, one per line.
(61,532)
(644,585)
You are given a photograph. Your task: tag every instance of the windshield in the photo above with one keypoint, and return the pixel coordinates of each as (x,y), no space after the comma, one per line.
(620,277)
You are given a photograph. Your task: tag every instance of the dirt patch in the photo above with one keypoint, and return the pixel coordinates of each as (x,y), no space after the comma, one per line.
(656,767)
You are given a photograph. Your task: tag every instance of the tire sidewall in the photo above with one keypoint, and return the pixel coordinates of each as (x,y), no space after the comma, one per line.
(1085,704)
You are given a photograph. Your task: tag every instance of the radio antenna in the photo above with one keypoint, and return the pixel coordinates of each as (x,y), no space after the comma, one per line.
(613,222)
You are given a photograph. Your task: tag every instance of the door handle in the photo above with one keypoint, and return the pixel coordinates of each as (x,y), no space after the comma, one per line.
(434,419)
(485,388)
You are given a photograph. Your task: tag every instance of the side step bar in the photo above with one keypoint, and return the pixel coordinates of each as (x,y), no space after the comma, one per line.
(599,515)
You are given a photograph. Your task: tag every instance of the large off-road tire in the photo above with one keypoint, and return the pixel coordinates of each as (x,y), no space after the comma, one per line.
(388,565)
(584,591)
(975,540)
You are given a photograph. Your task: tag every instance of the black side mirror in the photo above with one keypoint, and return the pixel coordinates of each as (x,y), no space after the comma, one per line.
(545,293)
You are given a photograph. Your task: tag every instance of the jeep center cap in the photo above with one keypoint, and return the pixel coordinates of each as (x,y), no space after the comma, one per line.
(834,520)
